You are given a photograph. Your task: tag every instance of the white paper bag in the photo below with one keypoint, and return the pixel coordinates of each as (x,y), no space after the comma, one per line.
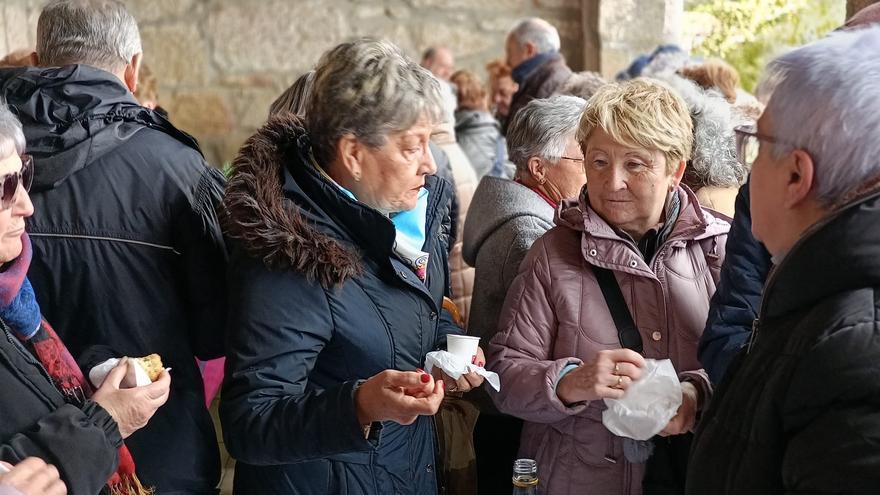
(455,366)
(648,405)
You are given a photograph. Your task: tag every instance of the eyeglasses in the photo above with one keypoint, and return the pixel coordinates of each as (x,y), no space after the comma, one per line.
(9,183)
(748,144)
(570,158)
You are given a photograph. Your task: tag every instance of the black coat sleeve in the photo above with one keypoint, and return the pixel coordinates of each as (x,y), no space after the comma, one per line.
(82,443)
(279,323)
(736,302)
(204,261)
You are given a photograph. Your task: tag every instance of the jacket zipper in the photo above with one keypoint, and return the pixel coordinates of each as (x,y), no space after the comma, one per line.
(753,337)
(28,357)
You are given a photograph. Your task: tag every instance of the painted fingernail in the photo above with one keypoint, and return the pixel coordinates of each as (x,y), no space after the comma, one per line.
(473,359)
(481,364)
(425,378)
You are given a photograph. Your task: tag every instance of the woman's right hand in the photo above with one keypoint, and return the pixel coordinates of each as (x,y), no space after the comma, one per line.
(608,377)
(32,476)
(132,408)
(399,396)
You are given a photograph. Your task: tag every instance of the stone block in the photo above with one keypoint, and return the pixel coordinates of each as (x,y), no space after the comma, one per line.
(177,54)
(19,25)
(203,114)
(150,11)
(254,35)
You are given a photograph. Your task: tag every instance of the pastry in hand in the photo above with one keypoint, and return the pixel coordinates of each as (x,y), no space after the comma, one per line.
(152,364)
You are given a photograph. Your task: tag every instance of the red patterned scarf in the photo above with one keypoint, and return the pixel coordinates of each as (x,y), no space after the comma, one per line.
(18,309)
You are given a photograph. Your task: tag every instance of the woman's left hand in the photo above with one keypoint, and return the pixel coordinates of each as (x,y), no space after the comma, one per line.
(466,382)
(684,419)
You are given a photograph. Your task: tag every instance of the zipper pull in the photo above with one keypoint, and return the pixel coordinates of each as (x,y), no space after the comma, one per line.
(754,335)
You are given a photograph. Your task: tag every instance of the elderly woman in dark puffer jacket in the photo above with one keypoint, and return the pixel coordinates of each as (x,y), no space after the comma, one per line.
(341,235)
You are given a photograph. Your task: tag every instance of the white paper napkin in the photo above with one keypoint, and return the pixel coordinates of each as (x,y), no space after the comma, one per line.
(650,402)
(136,376)
(455,366)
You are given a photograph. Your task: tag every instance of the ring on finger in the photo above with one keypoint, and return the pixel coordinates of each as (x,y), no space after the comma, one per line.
(616,368)
(619,382)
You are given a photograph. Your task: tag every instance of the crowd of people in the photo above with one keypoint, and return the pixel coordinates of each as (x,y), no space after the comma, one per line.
(581,228)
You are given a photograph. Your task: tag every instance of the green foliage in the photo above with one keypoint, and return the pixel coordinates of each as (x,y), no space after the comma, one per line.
(748,33)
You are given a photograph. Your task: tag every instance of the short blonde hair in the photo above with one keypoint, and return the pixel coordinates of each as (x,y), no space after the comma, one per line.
(641,113)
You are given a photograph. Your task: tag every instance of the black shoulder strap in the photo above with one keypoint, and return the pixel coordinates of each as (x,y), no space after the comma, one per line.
(627,331)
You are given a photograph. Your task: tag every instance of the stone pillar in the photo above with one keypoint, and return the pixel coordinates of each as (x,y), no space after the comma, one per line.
(853,6)
(592,40)
(628,28)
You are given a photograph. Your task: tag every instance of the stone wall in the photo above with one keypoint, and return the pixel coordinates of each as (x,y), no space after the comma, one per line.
(220,63)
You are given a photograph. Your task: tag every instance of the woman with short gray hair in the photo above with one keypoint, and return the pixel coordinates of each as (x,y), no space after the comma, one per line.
(504,219)
(339,270)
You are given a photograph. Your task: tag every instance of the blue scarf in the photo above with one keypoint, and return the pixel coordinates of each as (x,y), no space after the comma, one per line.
(522,71)
(409,227)
(18,304)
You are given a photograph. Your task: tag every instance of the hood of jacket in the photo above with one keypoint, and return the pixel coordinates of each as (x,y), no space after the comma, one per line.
(694,222)
(497,201)
(73,115)
(475,120)
(282,210)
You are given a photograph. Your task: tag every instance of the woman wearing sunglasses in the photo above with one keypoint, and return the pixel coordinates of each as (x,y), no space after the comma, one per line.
(48,409)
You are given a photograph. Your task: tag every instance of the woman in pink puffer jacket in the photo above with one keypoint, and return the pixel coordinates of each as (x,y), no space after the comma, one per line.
(558,351)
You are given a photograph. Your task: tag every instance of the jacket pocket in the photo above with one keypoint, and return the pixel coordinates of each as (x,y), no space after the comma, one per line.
(591,442)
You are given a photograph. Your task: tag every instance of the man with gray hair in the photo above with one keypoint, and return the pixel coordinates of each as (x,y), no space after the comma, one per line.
(504,220)
(532,49)
(129,259)
(798,411)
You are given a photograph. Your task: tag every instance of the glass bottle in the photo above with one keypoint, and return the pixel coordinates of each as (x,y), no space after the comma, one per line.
(525,477)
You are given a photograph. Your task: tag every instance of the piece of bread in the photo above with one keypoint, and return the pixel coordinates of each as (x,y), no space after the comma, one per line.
(152,364)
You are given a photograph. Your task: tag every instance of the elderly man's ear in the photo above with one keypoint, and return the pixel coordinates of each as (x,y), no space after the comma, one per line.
(800,172)
(132,70)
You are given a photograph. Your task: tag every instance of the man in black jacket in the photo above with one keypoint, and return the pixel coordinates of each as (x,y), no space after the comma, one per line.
(128,255)
(799,411)
(532,49)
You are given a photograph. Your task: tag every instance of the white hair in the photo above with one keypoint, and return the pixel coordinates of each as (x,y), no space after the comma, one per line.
(542,128)
(11,134)
(713,161)
(824,100)
(539,32)
(100,33)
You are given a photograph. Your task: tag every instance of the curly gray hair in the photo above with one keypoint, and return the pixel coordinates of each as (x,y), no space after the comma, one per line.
(370,89)
(713,161)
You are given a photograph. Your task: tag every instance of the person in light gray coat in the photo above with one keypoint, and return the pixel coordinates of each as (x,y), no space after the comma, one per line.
(504,219)
(477,131)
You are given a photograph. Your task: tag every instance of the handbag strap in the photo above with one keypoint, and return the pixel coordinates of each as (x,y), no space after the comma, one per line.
(627,331)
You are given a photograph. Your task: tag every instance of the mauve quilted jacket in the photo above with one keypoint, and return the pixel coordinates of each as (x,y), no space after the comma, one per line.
(555,314)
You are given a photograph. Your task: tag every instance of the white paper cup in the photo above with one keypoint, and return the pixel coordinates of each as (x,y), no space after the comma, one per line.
(463,346)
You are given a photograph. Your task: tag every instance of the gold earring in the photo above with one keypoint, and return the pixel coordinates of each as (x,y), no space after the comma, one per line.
(542,181)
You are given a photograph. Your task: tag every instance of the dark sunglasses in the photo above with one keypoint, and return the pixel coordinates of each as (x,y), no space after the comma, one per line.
(9,183)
